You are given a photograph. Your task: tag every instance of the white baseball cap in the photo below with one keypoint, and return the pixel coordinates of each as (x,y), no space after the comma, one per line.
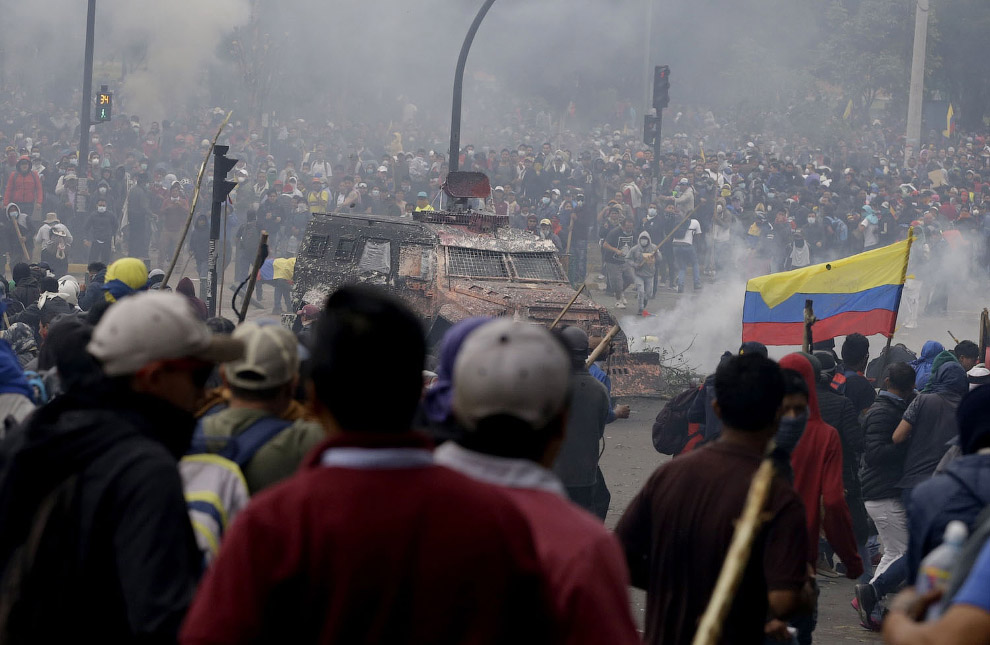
(155,326)
(270,359)
(510,368)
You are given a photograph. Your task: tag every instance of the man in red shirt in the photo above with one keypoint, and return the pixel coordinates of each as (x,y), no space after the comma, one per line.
(511,387)
(371,541)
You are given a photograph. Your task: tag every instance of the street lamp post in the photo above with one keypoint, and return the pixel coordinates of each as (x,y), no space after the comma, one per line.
(453,160)
(87,91)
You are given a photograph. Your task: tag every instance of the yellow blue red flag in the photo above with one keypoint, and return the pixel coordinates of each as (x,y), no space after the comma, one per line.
(860,293)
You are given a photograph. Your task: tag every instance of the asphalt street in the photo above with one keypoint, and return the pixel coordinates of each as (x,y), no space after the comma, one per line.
(628,461)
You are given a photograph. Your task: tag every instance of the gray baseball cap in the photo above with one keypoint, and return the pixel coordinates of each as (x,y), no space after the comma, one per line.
(510,368)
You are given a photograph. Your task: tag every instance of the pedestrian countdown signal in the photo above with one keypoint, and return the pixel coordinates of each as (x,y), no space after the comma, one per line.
(104,106)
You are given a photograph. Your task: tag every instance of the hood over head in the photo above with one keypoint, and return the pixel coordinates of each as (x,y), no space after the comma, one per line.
(437,402)
(800,364)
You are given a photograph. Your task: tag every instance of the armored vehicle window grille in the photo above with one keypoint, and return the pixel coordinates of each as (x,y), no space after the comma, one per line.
(476,263)
(536,266)
(345,250)
(318,245)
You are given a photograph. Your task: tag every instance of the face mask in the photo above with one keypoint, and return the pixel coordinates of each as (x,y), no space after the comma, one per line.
(789,431)
(545,200)
(101,209)
(103,190)
(94,163)
(811,220)
(544,233)
(375,193)
(175,199)
(651,213)
(144,166)
(644,242)
(580,203)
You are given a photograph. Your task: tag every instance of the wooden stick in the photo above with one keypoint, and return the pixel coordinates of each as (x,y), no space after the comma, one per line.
(602,345)
(259,259)
(710,627)
(20,238)
(809,320)
(567,307)
(192,206)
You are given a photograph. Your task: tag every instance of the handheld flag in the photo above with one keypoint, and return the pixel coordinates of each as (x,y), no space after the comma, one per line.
(947,132)
(848,111)
(860,293)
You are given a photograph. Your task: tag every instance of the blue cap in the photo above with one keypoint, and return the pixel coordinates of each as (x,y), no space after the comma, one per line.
(423,195)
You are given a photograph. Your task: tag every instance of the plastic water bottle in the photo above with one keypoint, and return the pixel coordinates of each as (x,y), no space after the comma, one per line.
(937,565)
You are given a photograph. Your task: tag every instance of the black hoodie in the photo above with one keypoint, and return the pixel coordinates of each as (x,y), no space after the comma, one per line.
(118,558)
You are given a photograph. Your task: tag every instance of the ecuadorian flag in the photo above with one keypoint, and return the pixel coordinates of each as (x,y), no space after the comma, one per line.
(860,293)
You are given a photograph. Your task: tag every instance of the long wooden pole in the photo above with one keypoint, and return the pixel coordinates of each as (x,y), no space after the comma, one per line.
(192,206)
(602,345)
(809,320)
(259,259)
(710,627)
(567,307)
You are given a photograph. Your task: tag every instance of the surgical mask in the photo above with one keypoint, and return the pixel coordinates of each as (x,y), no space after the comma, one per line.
(651,213)
(790,430)
(103,190)
(811,220)
(101,209)
(644,242)
(144,166)
(546,200)
(375,193)
(580,202)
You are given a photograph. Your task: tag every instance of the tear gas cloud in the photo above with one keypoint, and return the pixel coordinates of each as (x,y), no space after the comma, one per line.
(354,59)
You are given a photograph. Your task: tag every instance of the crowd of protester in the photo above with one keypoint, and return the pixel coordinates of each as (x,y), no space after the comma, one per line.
(718,201)
(167,476)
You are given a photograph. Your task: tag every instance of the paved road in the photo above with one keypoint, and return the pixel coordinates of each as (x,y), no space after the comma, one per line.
(630,458)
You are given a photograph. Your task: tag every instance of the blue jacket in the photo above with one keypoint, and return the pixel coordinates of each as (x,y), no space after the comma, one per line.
(600,374)
(958,493)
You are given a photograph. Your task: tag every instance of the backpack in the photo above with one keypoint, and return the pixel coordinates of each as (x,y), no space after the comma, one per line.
(670,429)
(213,479)
(242,448)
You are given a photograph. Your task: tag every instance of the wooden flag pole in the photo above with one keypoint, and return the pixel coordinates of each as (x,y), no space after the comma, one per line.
(809,320)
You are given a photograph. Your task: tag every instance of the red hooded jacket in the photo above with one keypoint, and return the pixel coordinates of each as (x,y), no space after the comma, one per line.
(817,463)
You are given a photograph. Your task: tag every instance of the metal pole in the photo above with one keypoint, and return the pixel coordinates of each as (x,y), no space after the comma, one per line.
(647,50)
(87,91)
(913,139)
(453,157)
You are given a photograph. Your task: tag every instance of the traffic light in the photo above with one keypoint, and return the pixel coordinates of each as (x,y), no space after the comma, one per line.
(104,105)
(221,166)
(661,86)
(651,127)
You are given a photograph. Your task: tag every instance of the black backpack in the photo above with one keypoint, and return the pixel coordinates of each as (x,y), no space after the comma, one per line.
(670,430)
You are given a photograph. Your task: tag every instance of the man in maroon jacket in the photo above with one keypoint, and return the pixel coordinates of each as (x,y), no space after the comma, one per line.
(371,542)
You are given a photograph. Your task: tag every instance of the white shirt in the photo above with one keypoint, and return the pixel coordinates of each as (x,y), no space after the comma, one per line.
(869,234)
(694,228)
